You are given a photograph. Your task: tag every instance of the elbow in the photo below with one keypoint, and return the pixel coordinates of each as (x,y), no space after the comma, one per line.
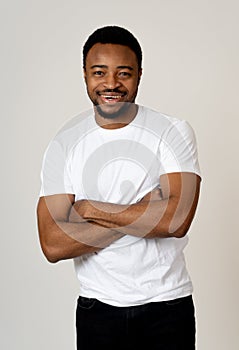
(50,247)
(52,258)
(181,231)
(168,232)
(174,230)
(50,253)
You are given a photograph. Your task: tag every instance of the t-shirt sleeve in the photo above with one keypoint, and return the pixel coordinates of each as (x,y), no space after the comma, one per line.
(178,149)
(55,178)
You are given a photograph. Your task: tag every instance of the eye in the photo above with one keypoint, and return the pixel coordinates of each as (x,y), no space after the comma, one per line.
(98,73)
(125,74)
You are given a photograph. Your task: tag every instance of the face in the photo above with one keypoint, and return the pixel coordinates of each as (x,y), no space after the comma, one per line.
(112,78)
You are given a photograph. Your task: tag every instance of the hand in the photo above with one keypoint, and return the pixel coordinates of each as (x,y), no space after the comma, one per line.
(78,211)
(154,195)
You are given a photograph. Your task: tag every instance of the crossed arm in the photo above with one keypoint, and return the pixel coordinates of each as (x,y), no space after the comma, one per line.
(68,229)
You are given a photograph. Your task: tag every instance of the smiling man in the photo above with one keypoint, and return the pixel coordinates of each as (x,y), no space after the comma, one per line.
(112,87)
(120,187)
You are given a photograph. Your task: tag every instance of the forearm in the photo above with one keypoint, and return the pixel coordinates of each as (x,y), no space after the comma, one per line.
(166,215)
(66,240)
(158,219)
(143,219)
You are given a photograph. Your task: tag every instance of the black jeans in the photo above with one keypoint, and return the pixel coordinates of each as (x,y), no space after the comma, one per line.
(168,325)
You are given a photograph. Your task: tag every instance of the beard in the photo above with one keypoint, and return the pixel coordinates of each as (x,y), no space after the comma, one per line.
(121,110)
(113,111)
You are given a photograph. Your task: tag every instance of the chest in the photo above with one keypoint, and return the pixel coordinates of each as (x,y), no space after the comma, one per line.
(114,170)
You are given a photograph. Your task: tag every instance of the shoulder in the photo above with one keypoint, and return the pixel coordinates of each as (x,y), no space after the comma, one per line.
(162,123)
(73,131)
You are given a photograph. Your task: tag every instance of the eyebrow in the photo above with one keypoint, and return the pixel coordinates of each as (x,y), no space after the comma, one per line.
(104,66)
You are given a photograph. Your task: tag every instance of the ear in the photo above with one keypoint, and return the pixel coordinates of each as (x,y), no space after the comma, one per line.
(84,74)
(140,73)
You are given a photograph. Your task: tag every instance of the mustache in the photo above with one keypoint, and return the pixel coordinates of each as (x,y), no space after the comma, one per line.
(116,90)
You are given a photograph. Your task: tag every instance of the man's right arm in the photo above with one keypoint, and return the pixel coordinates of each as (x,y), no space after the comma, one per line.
(61,239)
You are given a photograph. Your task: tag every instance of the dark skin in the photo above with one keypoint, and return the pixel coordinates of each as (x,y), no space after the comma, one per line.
(68,229)
(154,216)
(112,71)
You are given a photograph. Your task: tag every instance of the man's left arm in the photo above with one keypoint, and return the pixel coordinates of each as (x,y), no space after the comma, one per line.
(166,215)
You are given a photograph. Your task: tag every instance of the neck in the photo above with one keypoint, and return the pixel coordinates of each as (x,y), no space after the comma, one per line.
(118,122)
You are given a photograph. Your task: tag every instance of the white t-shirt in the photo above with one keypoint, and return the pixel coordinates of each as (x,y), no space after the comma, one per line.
(120,166)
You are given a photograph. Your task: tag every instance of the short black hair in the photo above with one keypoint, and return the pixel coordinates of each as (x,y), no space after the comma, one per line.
(113,35)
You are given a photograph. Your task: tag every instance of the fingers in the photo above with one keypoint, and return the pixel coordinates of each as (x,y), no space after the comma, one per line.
(75,213)
(154,195)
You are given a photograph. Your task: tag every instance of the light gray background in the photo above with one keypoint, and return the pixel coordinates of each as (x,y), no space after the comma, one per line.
(191,55)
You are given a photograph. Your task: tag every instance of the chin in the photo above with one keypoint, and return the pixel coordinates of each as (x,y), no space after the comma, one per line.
(112,112)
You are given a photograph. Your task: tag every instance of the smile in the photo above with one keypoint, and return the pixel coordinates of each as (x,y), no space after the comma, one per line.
(108,98)
(111,97)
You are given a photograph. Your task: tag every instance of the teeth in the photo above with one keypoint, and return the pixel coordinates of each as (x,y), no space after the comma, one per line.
(115,97)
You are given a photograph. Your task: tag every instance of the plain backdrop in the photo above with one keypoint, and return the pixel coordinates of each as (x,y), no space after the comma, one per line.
(191,71)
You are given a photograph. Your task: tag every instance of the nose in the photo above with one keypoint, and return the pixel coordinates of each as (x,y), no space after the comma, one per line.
(111,81)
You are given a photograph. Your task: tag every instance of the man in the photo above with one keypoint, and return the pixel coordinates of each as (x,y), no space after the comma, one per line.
(120,186)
